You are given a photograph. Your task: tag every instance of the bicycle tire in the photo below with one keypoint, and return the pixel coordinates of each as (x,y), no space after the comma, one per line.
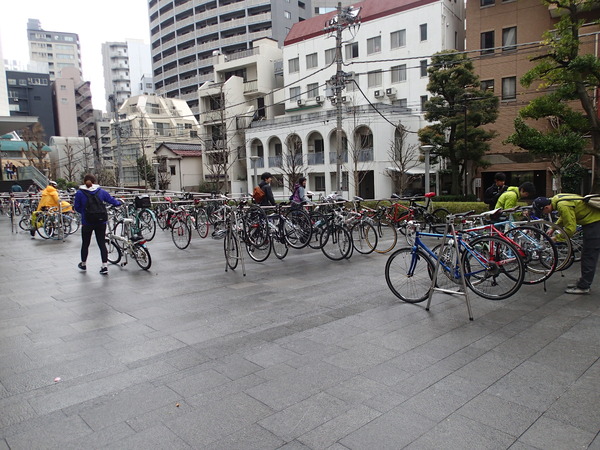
(114,251)
(564,246)
(181,234)
(162,219)
(336,242)
(541,256)
(142,256)
(25,223)
(298,228)
(230,247)
(409,273)
(280,248)
(147,224)
(46,230)
(202,223)
(119,230)
(256,227)
(259,254)
(493,268)
(387,236)
(318,222)
(438,220)
(364,237)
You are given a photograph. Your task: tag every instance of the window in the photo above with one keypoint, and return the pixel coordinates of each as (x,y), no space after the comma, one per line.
(22,82)
(319,182)
(509,38)
(509,88)
(294,65)
(294,94)
(312,60)
(398,39)
(352,85)
(329,56)
(352,50)
(423,101)
(12,82)
(374,78)
(487,85)
(423,66)
(374,45)
(487,2)
(423,31)
(402,103)
(398,73)
(172,170)
(487,42)
(287,14)
(312,90)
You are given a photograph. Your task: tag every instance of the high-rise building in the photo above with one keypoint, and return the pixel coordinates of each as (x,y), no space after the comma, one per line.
(56,48)
(73,105)
(127,66)
(30,94)
(186,34)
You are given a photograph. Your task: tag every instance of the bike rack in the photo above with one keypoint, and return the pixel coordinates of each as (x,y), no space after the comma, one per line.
(450,229)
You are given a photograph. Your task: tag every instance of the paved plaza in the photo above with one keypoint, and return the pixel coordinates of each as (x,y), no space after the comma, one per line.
(304,353)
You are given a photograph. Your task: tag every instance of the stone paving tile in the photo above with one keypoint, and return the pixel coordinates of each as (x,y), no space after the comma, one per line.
(253,437)
(552,434)
(159,437)
(53,434)
(577,407)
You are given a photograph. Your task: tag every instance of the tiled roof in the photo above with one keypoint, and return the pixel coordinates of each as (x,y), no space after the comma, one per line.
(187,152)
(183,149)
(371,9)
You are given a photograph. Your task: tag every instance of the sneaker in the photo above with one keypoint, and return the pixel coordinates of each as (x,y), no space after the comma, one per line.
(571,285)
(81,266)
(104,271)
(577,290)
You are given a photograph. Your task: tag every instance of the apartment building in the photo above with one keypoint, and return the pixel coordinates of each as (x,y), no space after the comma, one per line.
(385,60)
(30,94)
(187,34)
(73,108)
(56,48)
(504,37)
(145,122)
(127,66)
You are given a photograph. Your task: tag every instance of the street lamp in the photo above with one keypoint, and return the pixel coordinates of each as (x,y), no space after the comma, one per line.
(156,164)
(254,160)
(426,150)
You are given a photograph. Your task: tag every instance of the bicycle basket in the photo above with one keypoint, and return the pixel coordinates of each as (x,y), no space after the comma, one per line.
(142,201)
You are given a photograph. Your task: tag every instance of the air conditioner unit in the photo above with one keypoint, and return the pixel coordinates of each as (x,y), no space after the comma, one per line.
(301,102)
(344,99)
(333,100)
(390,92)
(319,99)
(378,93)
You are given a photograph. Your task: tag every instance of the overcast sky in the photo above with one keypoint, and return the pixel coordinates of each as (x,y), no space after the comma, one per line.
(94,21)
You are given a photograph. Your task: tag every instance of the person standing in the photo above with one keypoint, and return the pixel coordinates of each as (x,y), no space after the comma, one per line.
(88,226)
(491,195)
(48,199)
(268,199)
(575,212)
(16,187)
(299,196)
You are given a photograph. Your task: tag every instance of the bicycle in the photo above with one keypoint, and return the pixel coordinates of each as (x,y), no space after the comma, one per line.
(126,244)
(400,215)
(492,267)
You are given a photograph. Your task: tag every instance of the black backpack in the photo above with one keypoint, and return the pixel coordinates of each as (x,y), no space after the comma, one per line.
(95,209)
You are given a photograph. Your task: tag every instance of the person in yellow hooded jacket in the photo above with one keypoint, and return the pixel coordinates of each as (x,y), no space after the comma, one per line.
(49,198)
(513,194)
(573,211)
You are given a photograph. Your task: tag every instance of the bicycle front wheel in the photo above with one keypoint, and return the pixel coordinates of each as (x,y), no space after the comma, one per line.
(493,268)
(280,248)
(142,256)
(181,234)
(147,224)
(298,228)
(114,252)
(230,246)
(409,274)
(336,243)
(540,254)
(202,223)
(259,254)
(387,236)
(364,237)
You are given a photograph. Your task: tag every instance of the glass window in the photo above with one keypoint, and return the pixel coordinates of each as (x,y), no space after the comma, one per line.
(294,65)
(12,82)
(509,38)
(423,101)
(423,31)
(374,78)
(398,73)
(294,94)
(312,90)
(374,45)
(287,14)
(398,39)
(487,2)
(423,66)
(22,82)
(312,60)
(352,50)
(329,56)
(402,103)
(352,85)
(487,42)
(487,85)
(509,88)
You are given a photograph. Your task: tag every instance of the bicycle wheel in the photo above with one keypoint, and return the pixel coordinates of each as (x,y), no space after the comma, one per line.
(408,274)
(142,256)
(318,225)
(256,227)
(364,237)
(336,242)
(25,222)
(48,230)
(564,246)
(181,234)
(540,254)
(114,251)
(387,236)
(493,268)
(438,220)
(259,254)
(161,219)
(231,250)
(280,247)
(119,229)
(298,228)
(577,244)
(202,223)
(147,224)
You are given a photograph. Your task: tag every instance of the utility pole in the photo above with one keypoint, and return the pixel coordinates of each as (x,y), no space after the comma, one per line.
(113,101)
(344,19)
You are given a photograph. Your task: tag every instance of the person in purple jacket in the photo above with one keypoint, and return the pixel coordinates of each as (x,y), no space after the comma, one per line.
(87,228)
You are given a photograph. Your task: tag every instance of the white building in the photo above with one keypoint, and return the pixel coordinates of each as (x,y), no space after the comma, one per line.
(70,157)
(182,164)
(127,68)
(388,55)
(146,121)
(241,94)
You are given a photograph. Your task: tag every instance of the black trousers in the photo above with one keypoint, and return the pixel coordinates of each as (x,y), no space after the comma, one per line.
(589,254)
(86,237)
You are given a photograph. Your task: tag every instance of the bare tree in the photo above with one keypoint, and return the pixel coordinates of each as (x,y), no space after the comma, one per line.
(292,163)
(360,150)
(35,153)
(403,157)
(164,176)
(70,163)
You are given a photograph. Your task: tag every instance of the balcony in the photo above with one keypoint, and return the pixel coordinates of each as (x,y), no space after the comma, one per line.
(333,157)
(244,54)
(315,158)
(365,154)
(275,161)
(169,58)
(259,163)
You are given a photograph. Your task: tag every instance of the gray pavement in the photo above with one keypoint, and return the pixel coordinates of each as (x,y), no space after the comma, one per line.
(300,353)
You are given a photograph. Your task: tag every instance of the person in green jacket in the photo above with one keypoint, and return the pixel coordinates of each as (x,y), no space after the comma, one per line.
(513,194)
(573,211)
